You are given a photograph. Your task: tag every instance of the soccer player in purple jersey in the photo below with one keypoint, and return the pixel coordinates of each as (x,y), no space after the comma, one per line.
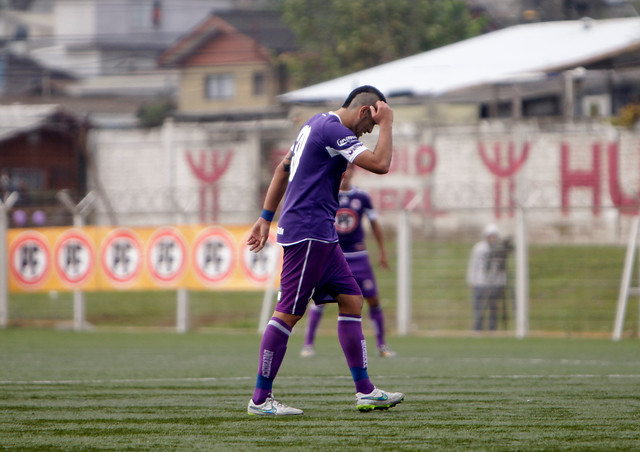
(309,180)
(355,204)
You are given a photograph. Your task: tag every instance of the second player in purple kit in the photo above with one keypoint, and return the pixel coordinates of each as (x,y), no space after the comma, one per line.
(355,205)
(309,180)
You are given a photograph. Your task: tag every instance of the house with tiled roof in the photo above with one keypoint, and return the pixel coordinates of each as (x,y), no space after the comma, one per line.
(229,64)
(43,150)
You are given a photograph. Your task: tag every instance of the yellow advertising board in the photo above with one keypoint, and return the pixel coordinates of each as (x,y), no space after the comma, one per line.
(105,258)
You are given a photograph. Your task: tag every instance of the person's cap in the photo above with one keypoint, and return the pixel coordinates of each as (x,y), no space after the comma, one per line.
(491,229)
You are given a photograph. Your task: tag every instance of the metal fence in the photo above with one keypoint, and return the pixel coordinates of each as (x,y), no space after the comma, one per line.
(553,288)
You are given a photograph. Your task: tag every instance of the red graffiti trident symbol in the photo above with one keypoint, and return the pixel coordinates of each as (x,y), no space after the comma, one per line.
(503,172)
(209,171)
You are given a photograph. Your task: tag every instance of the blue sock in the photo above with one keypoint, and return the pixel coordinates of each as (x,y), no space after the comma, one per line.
(354,347)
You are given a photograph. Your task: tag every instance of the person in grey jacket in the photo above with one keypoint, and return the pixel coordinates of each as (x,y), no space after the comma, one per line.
(487,278)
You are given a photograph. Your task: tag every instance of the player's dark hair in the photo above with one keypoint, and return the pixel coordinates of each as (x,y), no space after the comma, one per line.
(363,89)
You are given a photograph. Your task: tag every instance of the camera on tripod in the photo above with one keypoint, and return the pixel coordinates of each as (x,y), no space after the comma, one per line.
(500,250)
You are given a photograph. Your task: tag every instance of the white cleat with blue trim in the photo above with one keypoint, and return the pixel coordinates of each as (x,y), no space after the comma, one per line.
(271,407)
(378,400)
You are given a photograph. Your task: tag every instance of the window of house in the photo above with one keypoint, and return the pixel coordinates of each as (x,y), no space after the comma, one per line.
(145,14)
(259,83)
(137,16)
(25,179)
(220,86)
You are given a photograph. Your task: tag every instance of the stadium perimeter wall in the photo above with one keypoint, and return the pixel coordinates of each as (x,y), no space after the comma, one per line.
(579,182)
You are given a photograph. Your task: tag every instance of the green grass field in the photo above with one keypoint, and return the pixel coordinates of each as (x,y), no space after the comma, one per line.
(65,391)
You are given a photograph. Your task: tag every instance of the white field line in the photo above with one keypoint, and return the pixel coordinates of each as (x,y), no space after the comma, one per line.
(521,361)
(122,381)
(117,381)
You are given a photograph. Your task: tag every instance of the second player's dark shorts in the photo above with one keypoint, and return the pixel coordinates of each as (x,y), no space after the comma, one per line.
(313,267)
(363,272)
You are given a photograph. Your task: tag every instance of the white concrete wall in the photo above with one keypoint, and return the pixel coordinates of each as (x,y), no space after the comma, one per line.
(585,200)
(464,176)
(181,173)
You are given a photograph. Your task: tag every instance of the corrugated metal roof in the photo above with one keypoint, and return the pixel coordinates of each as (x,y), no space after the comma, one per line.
(17,119)
(265,26)
(505,54)
(240,31)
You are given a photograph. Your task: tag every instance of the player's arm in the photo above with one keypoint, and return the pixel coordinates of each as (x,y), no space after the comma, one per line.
(379,160)
(260,231)
(376,228)
(278,184)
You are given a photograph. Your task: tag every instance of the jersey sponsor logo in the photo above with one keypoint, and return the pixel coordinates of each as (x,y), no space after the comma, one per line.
(346,140)
(353,149)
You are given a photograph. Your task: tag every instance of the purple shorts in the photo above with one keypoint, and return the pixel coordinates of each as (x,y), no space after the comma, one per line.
(313,267)
(363,272)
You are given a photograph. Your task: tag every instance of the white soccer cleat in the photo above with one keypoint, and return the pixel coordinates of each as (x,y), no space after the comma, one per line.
(378,400)
(307,351)
(386,352)
(271,407)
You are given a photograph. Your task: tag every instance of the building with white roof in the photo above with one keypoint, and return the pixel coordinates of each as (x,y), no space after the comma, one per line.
(484,69)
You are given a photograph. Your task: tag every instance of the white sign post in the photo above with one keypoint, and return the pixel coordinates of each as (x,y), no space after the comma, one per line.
(79,211)
(5,206)
(405,279)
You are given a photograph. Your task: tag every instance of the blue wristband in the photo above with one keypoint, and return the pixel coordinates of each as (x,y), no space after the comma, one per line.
(267,214)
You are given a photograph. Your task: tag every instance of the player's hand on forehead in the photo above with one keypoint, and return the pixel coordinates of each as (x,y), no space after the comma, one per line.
(381,112)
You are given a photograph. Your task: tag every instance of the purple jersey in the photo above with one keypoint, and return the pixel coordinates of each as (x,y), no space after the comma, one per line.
(320,155)
(354,204)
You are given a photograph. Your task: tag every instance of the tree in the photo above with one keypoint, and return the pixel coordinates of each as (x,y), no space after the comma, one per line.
(154,113)
(338,37)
